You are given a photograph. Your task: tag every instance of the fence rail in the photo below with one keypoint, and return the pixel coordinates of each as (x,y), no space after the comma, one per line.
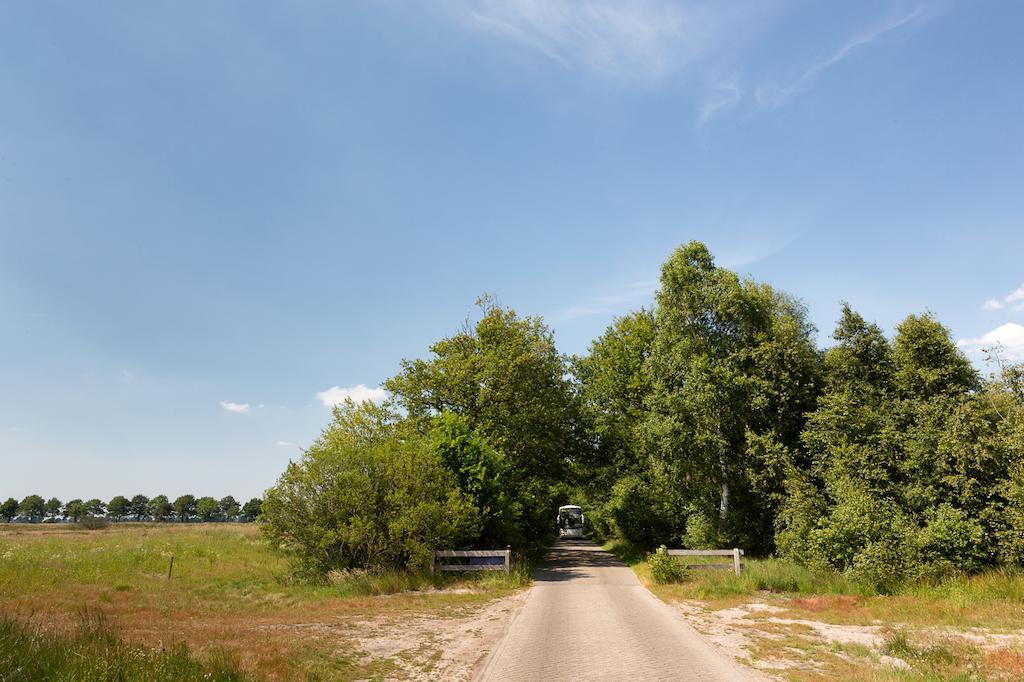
(472,554)
(735,553)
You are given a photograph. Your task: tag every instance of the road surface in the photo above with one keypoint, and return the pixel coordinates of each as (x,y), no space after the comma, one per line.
(587,617)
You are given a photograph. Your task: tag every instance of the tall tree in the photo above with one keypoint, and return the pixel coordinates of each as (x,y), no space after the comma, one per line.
(159,508)
(138,507)
(207,509)
(34,507)
(507,379)
(229,508)
(53,507)
(185,508)
(732,371)
(251,509)
(74,510)
(95,507)
(118,508)
(9,509)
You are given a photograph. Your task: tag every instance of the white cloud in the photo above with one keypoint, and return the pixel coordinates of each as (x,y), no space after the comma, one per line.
(775,96)
(725,95)
(284,443)
(640,40)
(1014,299)
(1008,337)
(358,393)
(234,407)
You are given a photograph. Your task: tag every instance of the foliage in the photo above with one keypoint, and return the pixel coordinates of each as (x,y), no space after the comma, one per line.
(251,509)
(665,568)
(185,508)
(9,509)
(507,379)
(33,506)
(159,508)
(367,495)
(118,508)
(95,653)
(229,508)
(207,509)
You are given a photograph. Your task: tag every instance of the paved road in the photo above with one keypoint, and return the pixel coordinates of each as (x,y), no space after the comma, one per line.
(587,617)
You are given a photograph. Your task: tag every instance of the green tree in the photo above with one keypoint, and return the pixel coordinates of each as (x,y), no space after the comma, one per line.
(53,508)
(118,508)
(34,507)
(251,509)
(9,509)
(75,510)
(207,509)
(159,508)
(139,507)
(732,371)
(185,508)
(507,379)
(366,499)
(229,508)
(95,507)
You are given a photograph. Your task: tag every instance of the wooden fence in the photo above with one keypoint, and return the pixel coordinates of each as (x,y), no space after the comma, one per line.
(735,553)
(471,554)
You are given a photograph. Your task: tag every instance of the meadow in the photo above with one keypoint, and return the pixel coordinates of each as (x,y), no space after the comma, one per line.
(226,607)
(817,625)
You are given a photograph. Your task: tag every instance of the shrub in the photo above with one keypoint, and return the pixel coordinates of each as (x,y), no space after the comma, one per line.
(365,496)
(636,512)
(93,522)
(666,568)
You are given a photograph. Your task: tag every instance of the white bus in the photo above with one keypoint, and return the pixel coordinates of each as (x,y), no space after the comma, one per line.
(570,521)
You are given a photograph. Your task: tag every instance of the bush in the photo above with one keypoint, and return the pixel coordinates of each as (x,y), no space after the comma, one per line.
(365,496)
(636,513)
(666,568)
(93,523)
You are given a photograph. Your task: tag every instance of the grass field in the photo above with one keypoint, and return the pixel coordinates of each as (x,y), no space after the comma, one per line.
(228,600)
(808,625)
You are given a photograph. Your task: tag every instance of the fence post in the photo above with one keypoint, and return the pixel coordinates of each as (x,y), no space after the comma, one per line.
(736,560)
(508,558)
(433,563)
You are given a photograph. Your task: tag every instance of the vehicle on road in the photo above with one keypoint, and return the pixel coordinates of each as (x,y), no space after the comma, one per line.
(570,521)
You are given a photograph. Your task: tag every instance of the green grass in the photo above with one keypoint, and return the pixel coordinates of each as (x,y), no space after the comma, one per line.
(229,590)
(94,653)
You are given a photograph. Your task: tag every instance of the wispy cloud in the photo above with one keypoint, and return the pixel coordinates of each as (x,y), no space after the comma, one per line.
(631,295)
(284,443)
(358,393)
(723,96)
(1009,338)
(1014,299)
(230,406)
(774,96)
(640,40)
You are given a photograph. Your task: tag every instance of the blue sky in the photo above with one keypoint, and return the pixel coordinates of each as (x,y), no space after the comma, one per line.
(213,214)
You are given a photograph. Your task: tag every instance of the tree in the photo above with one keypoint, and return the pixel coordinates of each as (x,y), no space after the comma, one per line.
(34,507)
(371,498)
(9,509)
(53,508)
(118,508)
(614,389)
(159,508)
(185,508)
(507,379)
(75,510)
(251,509)
(207,509)
(95,507)
(732,371)
(139,507)
(229,508)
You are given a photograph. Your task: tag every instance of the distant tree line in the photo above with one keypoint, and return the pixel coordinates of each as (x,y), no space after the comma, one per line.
(186,508)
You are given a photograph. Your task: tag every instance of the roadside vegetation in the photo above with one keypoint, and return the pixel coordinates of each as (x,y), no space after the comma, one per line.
(230,598)
(880,477)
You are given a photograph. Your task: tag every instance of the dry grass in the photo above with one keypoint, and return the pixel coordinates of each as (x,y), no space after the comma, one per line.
(228,592)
